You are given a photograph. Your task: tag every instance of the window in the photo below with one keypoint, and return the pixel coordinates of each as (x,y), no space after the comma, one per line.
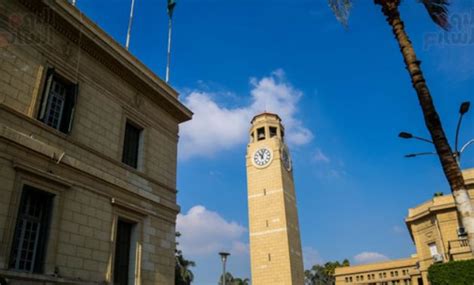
(123,250)
(433,249)
(58,102)
(273,132)
(131,144)
(260,134)
(31,231)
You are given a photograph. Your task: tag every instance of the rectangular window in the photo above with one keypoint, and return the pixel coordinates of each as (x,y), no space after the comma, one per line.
(131,145)
(31,231)
(123,246)
(58,103)
(433,249)
(273,132)
(260,134)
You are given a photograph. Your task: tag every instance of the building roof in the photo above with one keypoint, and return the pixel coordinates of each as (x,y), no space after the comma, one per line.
(383,265)
(82,31)
(265,114)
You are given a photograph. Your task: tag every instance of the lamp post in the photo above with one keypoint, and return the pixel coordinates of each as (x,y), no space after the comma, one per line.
(463,109)
(224,256)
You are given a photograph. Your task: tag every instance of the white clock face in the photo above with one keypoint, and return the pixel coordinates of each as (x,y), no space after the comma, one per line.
(262,157)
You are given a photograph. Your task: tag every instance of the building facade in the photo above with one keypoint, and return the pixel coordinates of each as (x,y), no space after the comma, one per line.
(88,147)
(275,245)
(435,229)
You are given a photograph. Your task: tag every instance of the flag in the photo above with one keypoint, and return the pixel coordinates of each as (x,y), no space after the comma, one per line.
(171,4)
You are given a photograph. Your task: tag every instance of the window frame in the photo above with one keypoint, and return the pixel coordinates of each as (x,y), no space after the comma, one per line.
(138,163)
(68,108)
(121,211)
(46,182)
(43,225)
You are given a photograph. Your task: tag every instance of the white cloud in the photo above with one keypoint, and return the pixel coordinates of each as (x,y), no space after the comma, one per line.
(215,128)
(311,257)
(319,156)
(398,229)
(205,232)
(369,257)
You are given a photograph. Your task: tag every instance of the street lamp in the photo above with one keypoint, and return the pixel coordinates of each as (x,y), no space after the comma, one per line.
(418,154)
(405,135)
(463,109)
(224,256)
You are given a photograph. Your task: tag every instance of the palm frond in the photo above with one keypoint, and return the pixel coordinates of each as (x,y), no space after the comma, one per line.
(341,9)
(438,11)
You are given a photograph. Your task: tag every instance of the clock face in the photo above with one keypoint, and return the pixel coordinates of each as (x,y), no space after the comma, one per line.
(285,157)
(262,157)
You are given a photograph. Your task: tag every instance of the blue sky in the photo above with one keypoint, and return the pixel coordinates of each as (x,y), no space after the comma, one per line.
(343,93)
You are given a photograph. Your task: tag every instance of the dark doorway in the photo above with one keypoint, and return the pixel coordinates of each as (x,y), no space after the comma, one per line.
(122,252)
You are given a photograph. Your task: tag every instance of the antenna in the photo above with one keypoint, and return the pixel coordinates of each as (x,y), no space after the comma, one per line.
(129,31)
(171,5)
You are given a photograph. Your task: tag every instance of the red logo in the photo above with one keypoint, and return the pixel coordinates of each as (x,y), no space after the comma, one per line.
(15,21)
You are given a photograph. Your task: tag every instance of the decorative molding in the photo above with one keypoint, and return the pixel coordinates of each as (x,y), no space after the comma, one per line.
(43,174)
(78,29)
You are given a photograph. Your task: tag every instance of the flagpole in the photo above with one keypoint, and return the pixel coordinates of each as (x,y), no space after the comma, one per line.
(129,31)
(170,29)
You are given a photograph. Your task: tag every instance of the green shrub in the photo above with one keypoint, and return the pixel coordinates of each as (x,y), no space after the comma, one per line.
(452,273)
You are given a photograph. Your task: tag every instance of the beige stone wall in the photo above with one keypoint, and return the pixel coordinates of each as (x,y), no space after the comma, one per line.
(403,271)
(436,222)
(433,222)
(275,245)
(83,169)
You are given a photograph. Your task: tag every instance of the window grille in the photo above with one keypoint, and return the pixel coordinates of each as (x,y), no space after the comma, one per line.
(30,238)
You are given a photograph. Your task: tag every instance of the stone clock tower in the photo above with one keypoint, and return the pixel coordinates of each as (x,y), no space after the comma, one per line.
(275,245)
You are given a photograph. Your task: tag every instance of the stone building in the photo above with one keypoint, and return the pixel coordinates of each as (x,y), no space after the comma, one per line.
(435,229)
(88,153)
(275,245)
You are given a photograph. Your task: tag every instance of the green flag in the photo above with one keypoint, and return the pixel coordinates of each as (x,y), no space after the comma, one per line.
(171,4)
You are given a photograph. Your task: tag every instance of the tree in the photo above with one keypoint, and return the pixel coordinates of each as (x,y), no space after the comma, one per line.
(240,281)
(323,275)
(229,279)
(183,275)
(438,11)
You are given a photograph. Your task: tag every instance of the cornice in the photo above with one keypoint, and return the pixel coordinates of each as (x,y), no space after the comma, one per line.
(80,30)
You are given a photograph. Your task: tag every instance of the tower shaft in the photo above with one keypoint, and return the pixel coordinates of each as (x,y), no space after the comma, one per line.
(275,245)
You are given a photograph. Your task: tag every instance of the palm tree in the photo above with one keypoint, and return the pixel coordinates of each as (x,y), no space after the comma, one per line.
(183,273)
(438,11)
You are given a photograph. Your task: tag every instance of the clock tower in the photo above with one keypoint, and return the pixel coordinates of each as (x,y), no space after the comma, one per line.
(275,245)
